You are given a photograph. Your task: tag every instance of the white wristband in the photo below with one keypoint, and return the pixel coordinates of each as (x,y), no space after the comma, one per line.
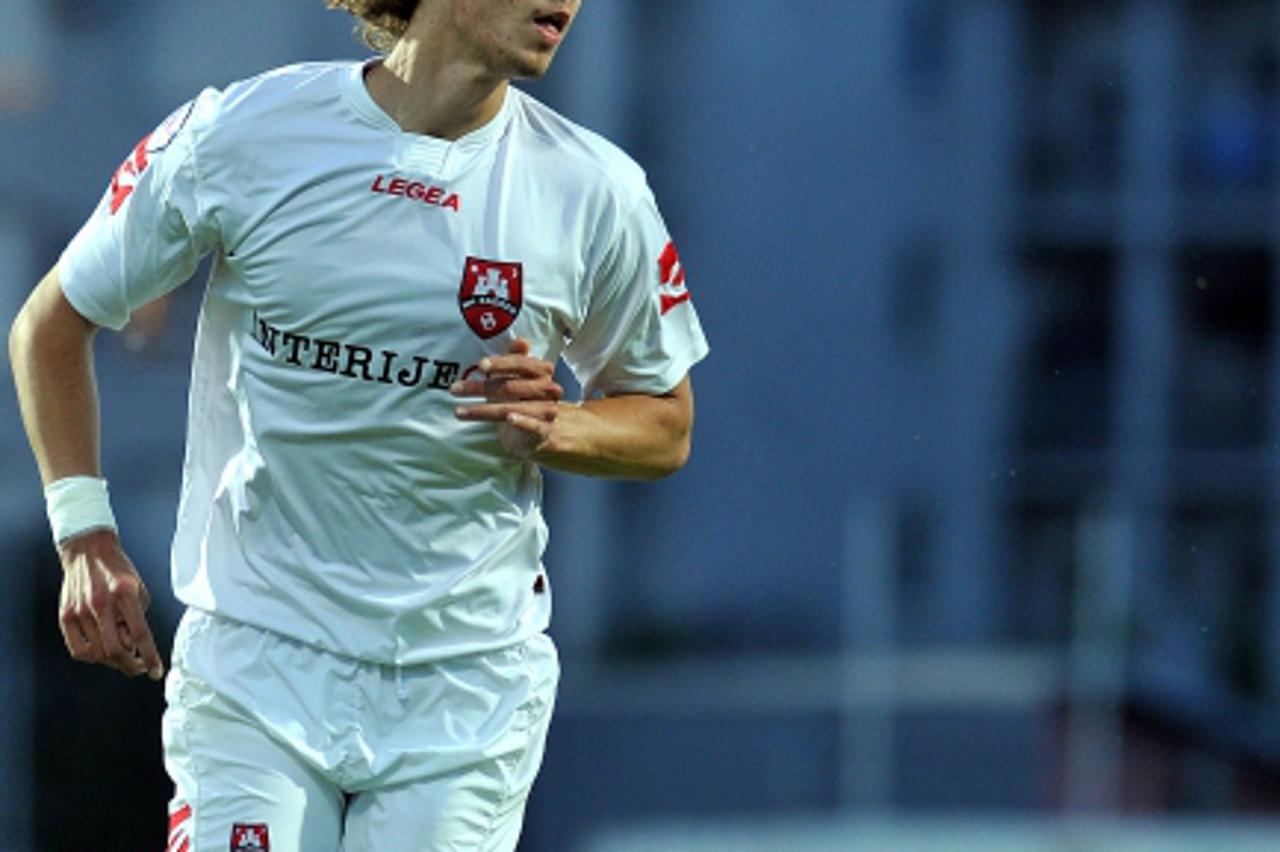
(76,505)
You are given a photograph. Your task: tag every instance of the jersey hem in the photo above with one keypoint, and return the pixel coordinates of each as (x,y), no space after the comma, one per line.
(460,651)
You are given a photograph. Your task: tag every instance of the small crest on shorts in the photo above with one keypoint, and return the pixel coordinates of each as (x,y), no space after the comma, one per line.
(491,295)
(250,837)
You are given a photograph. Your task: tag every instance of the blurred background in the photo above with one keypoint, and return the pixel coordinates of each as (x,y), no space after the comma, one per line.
(978,548)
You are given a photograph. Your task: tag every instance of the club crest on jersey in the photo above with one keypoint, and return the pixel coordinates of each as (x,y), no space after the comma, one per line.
(491,295)
(250,837)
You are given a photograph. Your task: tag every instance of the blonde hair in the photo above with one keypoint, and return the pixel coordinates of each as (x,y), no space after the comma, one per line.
(383,22)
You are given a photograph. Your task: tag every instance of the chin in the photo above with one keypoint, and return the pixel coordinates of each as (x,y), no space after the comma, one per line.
(528,65)
(529,70)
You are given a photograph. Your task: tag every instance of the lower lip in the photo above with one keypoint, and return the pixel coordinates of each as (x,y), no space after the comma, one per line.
(550,34)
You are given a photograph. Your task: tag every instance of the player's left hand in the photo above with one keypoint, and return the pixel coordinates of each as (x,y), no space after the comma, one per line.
(521,395)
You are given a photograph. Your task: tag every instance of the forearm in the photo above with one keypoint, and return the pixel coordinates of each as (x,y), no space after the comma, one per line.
(103,601)
(51,352)
(626,436)
(631,436)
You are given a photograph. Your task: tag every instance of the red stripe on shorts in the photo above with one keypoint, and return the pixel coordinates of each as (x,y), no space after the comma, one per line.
(179,816)
(178,840)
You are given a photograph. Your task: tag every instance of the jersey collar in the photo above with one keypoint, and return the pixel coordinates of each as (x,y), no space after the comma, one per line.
(357,95)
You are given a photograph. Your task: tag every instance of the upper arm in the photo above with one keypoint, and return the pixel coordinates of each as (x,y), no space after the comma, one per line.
(679,403)
(640,333)
(150,229)
(47,315)
(669,414)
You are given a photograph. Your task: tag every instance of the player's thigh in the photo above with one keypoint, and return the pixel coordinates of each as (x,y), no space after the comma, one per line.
(236,788)
(457,796)
(480,807)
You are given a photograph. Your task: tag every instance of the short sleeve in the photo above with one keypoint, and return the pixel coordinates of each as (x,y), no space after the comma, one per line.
(149,230)
(640,333)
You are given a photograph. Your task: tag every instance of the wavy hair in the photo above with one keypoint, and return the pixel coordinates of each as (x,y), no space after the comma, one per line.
(382,22)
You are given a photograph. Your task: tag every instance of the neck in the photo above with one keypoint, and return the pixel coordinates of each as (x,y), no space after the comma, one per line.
(429,90)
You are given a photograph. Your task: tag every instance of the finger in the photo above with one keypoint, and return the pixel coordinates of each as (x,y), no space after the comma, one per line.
(118,649)
(522,390)
(520,346)
(469,387)
(76,622)
(516,365)
(68,624)
(84,640)
(541,429)
(492,413)
(509,389)
(115,652)
(498,412)
(78,644)
(140,639)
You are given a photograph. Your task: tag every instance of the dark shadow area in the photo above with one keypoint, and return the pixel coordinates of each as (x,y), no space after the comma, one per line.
(99,778)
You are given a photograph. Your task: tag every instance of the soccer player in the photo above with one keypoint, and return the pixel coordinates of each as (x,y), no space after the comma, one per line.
(402,250)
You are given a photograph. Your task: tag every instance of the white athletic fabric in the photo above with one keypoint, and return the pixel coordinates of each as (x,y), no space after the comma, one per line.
(266,737)
(77,505)
(329,493)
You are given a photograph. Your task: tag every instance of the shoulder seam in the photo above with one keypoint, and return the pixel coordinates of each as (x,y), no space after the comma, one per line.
(600,169)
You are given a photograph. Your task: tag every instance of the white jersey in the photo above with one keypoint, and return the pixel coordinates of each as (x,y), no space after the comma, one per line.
(329,493)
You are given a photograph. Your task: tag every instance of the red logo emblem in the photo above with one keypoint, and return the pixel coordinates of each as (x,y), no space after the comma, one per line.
(491,294)
(671,288)
(130,171)
(250,837)
(126,177)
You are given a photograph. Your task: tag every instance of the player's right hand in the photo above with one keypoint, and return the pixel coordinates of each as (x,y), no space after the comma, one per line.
(102,605)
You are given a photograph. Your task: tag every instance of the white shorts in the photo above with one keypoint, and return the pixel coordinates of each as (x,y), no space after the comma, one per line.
(276,746)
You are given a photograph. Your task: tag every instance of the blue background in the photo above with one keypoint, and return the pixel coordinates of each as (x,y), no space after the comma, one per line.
(980,518)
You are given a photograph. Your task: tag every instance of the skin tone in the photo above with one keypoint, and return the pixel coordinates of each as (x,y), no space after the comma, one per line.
(103,601)
(450,70)
(631,436)
(447,76)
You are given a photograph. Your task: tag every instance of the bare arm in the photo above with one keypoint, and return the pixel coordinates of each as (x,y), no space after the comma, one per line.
(632,436)
(103,599)
(637,436)
(51,350)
